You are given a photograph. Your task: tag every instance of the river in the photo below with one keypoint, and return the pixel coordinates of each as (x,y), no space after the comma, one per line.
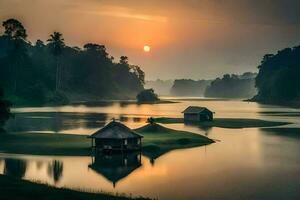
(250,163)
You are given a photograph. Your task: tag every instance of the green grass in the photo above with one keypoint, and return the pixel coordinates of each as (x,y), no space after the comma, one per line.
(44,144)
(225,122)
(15,189)
(157,141)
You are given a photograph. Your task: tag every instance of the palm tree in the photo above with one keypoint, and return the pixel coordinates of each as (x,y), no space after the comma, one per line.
(56,42)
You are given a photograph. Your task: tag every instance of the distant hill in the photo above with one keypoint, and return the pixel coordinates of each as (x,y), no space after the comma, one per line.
(161,87)
(189,87)
(233,86)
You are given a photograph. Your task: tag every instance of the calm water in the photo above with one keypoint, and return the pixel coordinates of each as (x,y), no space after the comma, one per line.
(245,164)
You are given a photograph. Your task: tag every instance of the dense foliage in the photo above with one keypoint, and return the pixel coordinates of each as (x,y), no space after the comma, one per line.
(4,109)
(52,71)
(232,86)
(278,77)
(188,87)
(147,95)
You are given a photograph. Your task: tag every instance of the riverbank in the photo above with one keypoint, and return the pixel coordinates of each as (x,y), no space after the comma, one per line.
(225,122)
(14,189)
(157,141)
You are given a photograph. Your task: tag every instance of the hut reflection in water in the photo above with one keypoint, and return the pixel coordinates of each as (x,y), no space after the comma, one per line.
(116,167)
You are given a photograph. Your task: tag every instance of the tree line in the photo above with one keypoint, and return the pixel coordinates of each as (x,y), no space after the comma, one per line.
(189,87)
(233,86)
(278,78)
(51,71)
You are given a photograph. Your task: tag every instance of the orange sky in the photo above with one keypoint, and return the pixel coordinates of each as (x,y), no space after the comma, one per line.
(188,39)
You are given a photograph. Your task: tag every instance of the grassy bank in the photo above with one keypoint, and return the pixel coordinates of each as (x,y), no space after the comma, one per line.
(225,122)
(157,141)
(44,144)
(15,189)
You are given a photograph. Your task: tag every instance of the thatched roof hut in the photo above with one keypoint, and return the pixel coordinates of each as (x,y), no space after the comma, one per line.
(116,136)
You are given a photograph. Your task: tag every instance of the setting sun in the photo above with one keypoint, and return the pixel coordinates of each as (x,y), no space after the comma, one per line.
(147,48)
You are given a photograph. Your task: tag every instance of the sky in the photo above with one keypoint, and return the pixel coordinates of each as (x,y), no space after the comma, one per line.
(198,39)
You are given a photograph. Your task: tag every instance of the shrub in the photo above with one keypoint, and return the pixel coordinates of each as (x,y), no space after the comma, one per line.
(147,95)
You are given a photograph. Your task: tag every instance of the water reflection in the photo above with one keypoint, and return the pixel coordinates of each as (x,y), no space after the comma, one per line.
(64,122)
(116,167)
(246,164)
(55,121)
(55,170)
(205,129)
(15,167)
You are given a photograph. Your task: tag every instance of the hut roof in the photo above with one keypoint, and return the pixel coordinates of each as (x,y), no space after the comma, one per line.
(195,109)
(115,130)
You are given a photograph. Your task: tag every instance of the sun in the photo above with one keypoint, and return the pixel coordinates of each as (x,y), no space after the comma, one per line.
(147,48)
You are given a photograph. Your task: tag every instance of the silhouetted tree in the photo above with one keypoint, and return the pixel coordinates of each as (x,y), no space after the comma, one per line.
(124,60)
(15,31)
(232,86)
(278,77)
(147,95)
(150,120)
(188,87)
(139,73)
(56,43)
(86,73)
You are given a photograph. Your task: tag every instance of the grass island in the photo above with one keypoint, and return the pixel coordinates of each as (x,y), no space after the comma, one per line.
(157,141)
(225,122)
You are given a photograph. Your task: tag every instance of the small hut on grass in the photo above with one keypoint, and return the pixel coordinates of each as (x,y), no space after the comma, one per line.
(116,137)
(196,113)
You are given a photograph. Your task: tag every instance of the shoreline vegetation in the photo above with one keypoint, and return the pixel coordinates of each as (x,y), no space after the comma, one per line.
(43,72)
(224,122)
(157,141)
(13,188)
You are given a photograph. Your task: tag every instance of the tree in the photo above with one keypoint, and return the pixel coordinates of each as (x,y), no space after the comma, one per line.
(124,60)
(232,86)
(86,73)
(15,31)
(147,95)
(56,43)
(139,73)
(278,77)
(150,120)
(4,109)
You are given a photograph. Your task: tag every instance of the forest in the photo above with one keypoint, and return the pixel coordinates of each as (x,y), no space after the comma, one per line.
(52,72)
(232,86)
(189,87)
(278,78)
